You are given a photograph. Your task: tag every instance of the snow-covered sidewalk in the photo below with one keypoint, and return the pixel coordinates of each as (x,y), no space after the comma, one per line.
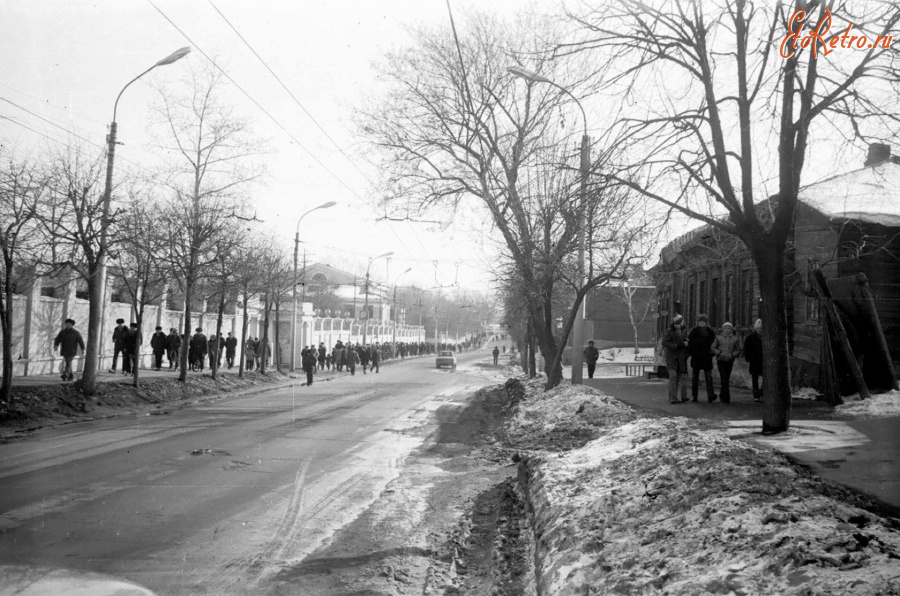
(629,505)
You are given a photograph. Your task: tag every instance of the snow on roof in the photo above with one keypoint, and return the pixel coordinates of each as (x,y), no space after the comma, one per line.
(870,194)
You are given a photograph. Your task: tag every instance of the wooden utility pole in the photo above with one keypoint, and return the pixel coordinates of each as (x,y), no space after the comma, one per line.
(875,323)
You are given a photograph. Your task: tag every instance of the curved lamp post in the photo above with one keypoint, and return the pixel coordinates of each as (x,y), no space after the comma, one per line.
(296,281)
(584,171)
(394,308)
(92,357)
(366,306)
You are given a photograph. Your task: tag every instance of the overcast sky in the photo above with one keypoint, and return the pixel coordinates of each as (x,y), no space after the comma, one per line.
(65,62)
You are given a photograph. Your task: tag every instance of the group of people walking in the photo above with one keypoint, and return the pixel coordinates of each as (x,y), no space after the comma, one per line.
(703,347)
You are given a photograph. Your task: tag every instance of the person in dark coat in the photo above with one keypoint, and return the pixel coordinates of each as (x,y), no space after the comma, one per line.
(753,354)
(132,341)
(173,348)
(675,342)
(68,340)
(591,355)
(700,341)
(250,354)
(158,345)
(308,361)
(496,354)
(322,353)
(197,350)
(363,354)
(352,359)
(375,358)
(212,351)
(118,337)
(230,349)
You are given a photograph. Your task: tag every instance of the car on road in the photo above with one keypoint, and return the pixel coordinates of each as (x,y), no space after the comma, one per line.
(445,358)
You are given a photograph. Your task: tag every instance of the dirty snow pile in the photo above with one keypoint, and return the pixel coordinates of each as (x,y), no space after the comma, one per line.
(567,416)
(669,506)
(881,405)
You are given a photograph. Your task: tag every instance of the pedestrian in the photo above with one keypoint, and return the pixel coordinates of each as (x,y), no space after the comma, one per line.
(230,349)
(675,342)
(328,360)
(363,353)
(197,350)
(158,345)
(173,348)
(753,354)
(352,360)
(133,340)
(308,361)
(250,353)
(322,353)
(68,340)
(591,355)
(726,349)
(496,354)
(118,337)
(375,357)
(700,341)
(220,351)
(212,351)
(256,350)
(504,349)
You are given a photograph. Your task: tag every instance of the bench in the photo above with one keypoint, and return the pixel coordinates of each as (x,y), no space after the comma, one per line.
(638,369)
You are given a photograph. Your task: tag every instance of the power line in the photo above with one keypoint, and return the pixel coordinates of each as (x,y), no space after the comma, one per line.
(288,91)
(256,103)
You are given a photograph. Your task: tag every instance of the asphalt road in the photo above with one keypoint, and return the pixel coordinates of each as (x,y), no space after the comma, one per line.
(213,499)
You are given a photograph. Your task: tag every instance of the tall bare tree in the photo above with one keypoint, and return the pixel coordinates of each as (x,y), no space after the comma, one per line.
(214,161)
(456,126)
(722,105)
(139,260)
(22,185)
(73,221)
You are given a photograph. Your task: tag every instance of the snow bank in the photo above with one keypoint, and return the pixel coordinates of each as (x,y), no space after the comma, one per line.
(881,405)
(668,506)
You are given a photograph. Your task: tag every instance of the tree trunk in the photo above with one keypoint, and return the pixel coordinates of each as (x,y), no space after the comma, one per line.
(186,342)
(136,354)
(277,350)
(219,347)
(6,308)
(245,324)
(96,283)
(264,344)
(776,366)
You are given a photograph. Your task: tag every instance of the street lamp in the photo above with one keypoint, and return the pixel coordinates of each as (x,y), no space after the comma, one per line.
(366,306)
(92,357)
(584,171)
(294,292)
(394,308)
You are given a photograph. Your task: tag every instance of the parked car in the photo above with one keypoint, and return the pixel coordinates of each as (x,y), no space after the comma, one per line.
(445,359)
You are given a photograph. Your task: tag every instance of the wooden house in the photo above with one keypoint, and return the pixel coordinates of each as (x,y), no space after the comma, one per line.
(846,224)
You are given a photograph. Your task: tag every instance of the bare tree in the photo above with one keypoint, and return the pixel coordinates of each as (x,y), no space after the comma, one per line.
(140,266)
(456,125)
(22,185)
(73,221)
(214,160)
(746,95)
(638,310)
(275,279)
(247,275)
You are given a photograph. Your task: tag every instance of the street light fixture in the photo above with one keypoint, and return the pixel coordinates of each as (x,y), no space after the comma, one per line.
(92,357)
(366,306)
(584,171)
(394,308)
(294,292)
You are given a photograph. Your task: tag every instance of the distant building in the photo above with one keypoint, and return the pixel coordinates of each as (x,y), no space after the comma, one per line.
(337,293)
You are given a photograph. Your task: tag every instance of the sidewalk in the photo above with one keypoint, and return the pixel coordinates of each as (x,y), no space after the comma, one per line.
(116,377)
(861,454)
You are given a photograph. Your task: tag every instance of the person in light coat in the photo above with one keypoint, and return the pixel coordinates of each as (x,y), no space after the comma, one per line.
(726,348)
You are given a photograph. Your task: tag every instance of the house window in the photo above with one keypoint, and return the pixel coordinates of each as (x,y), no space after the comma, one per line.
(714,302)
(118,295)
(746,297)
(702,298)
(692,304)
(48,291)
(729,298)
